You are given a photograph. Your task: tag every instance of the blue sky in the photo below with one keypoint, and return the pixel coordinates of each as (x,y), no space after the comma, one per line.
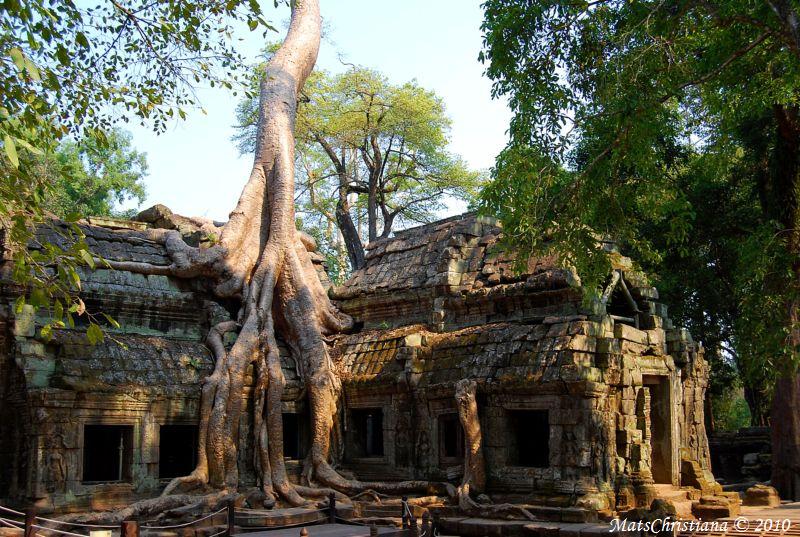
(195,168)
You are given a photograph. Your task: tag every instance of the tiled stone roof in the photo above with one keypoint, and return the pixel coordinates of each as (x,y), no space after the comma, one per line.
(452,273)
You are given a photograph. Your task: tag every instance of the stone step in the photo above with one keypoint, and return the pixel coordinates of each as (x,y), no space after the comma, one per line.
(280,517)
(364,509)
(681,498)
(562,514)
(555,529)
(684,509)
(381,511)
(544,513)
(670,492)
(206,531)
(397,522)
(482,527)
(726,505)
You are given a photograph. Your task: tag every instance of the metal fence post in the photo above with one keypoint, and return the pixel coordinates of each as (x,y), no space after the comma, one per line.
(30,521)
(231,518)
(332,508)
(404,507)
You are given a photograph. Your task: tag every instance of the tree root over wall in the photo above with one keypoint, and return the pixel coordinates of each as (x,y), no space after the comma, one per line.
(474,480)
(263,260)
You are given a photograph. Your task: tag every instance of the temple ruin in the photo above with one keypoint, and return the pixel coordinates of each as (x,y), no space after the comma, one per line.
(584,408)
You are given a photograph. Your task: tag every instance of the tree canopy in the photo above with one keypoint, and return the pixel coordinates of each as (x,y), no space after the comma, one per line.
(94,177)
(77,69)
(370,154)
(672,128)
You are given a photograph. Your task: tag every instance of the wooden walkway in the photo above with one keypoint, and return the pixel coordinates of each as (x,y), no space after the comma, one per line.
(324,530)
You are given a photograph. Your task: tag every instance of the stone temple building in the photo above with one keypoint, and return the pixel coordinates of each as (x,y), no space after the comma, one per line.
(595,406)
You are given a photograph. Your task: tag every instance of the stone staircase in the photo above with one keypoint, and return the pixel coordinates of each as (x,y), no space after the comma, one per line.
(383,514)
(681,498)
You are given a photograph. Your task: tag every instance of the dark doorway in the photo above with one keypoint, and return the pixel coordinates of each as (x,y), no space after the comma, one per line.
(177,450)
(451,437)
(367,432)
(660,437)
(530,438)
(295,435)
(107,453)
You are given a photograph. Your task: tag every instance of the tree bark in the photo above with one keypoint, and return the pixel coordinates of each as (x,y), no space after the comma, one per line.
(474,479)
(264,260)
(374,162)
(785,419)
(785,427)
(372,208)
(352,240)
(758,403)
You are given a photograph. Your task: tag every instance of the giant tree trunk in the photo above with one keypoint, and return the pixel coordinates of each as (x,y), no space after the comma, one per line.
(474,479)
(262,259)
(785,203)
(473,482)
(352,240)
(355,250)
(786,438)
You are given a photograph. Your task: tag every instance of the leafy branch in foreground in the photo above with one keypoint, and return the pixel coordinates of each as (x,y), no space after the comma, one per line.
(638,108)
(77,70)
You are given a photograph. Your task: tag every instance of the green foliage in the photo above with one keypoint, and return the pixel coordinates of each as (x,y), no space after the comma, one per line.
(360,136)
(731,412)
(77,69)
(92,177)
(658,125)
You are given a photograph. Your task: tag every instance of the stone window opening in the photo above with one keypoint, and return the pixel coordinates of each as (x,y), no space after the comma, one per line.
(451,438)
(530,438)
(620,305)
(107,453)
(295,435)
(177,450)
(367,432)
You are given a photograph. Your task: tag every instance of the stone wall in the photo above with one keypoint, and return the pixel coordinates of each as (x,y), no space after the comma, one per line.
(595,380)
(742,456)
(613,387)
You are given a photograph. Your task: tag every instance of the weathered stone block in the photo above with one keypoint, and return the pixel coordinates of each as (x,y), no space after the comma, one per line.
(709,511)
(630,347)
(25,322)
(558,329)
(629,333)
(762,495)
(582,343)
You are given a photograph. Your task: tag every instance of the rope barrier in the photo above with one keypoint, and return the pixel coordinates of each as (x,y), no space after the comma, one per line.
(6,509)
(10,523)
(185,524)
(407,510)
(58,531)
(219,533)
(297,525)
(78,524)
(264,512)
(350,522)
(245,515)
